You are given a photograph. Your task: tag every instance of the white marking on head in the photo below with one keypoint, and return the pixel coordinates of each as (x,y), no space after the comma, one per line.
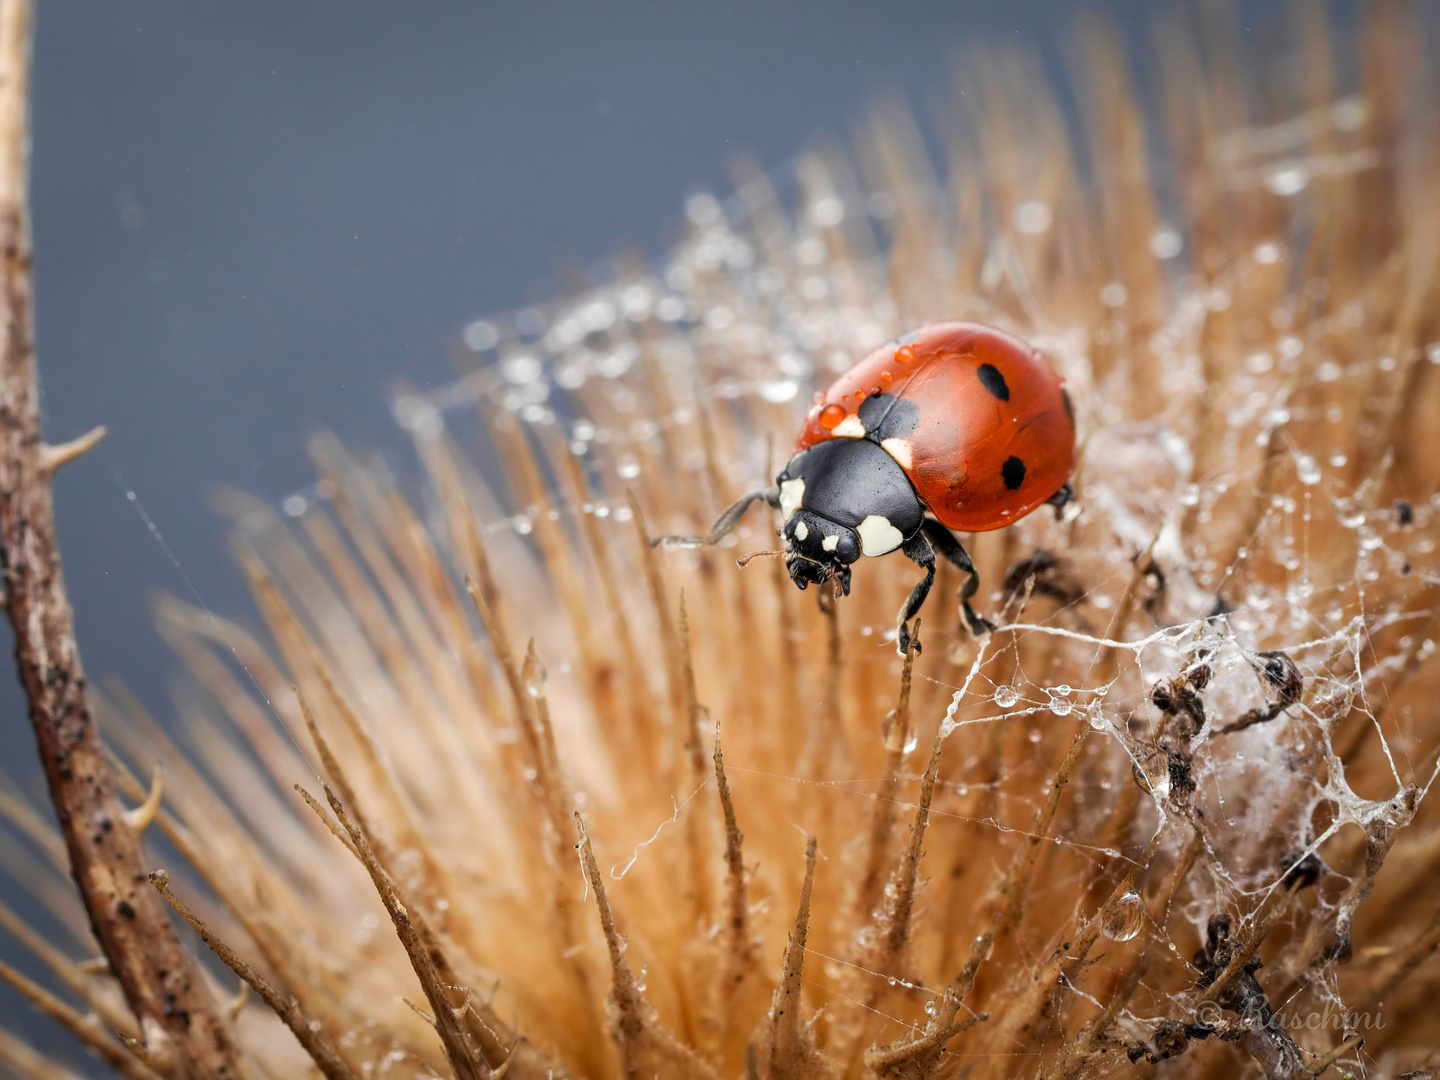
(877,535)
(830,543)
(791,494)
(849,428)
(801,530)
(899,449)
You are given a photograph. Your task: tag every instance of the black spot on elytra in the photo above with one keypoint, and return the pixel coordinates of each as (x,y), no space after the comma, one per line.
(1069,406)
(888,417)
(1013,472)
(992,380)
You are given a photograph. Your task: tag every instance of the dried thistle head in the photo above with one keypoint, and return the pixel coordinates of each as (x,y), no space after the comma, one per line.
(634,812)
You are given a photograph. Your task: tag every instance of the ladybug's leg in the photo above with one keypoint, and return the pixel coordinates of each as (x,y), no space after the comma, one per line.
(1061,499)
(918,550)
(952,550)
(726,522)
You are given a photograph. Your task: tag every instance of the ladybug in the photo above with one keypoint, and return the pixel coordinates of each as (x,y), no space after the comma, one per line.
(953,426)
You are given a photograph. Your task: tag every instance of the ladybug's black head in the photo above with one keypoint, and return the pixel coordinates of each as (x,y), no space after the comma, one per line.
(819,551)
(842,499)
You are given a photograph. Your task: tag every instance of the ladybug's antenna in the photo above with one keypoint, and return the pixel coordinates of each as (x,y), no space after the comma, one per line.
(745,559)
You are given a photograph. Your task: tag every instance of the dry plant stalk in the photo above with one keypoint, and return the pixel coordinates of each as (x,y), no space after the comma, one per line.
(180,1034)
(1174,809)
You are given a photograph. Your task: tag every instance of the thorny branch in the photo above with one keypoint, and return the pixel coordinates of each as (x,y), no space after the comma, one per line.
(181,1031)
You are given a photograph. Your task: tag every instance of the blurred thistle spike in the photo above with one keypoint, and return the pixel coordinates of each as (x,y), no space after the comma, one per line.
(1199,743)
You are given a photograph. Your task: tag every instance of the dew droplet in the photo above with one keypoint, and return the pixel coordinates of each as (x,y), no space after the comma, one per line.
(1125,917)
(831,415)
(885,376)
(1005,696)
(904,354)
(1059,706)
(892,733)
(1307,470)
(535,677)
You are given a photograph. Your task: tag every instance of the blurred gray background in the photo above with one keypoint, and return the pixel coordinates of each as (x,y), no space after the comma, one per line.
(253,220)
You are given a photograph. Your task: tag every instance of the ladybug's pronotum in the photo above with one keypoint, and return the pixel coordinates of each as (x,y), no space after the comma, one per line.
(953,426)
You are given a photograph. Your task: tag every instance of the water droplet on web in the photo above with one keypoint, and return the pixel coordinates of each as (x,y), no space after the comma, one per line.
(1005,696)
(1307,470)
(1032,217)
(1125,917)
(779,390)
(1034,735)
(1191,495)
(929,1008)
(1058,705)
(1096,717)
(1351,519)
(1165,243)
(1288,179)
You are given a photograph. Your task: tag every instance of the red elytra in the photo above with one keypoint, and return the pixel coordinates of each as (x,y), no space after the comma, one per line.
(984,401)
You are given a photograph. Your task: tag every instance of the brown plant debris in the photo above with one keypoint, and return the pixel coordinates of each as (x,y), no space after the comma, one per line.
(178,1022)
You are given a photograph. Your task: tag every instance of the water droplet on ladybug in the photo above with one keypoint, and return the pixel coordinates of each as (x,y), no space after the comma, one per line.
(831,415)
(904,354)
(885,376)
(874,391)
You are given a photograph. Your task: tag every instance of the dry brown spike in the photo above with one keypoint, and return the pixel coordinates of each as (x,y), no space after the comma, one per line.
(895,733)
(646,1048)
(1089,1041)
(306,1029)
(790,1051)
(920,1057)
(464,1058)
